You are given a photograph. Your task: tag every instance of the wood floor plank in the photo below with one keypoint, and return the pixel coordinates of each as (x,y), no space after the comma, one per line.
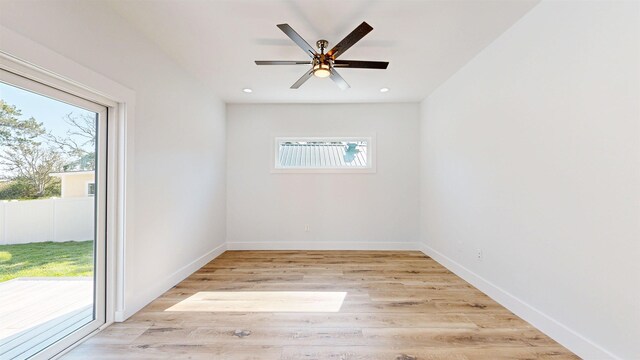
(422,353)
(397,305)
(327,320)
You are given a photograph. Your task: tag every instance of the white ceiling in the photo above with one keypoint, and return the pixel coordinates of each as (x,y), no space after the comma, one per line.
(425,42)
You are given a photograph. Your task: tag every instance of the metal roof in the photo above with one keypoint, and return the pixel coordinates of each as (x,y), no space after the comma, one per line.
(321,155)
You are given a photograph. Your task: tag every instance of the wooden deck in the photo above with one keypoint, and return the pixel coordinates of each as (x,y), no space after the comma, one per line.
(26,303)
(340,305)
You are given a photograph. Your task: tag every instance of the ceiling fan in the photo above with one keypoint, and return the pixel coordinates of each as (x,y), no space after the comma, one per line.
(324,64)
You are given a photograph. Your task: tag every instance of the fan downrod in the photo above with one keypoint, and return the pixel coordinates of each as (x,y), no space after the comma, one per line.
(322,44)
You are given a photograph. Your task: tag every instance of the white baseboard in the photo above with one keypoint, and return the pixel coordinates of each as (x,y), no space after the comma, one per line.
(313,245)
(165,283)
(118,316)
(567,337)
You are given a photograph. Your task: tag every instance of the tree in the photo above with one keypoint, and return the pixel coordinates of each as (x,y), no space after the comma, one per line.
(22,189)
(31,162)
(29,154)
(79,142)
(26,160)
(13,129)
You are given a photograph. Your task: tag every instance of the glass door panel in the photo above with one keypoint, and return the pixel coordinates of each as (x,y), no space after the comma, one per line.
(52,217)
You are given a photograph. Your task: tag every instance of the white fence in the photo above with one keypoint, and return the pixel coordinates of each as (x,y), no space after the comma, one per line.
(46,220)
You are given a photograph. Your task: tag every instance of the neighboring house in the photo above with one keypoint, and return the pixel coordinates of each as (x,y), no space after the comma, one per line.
(77,183)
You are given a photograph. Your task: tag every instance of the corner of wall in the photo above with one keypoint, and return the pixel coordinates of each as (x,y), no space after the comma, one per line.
(146,296)
(554,329)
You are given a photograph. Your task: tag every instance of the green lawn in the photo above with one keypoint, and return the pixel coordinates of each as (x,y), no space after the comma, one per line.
(71,258)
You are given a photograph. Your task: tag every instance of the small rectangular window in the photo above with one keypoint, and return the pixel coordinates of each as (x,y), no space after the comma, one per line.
(323,154)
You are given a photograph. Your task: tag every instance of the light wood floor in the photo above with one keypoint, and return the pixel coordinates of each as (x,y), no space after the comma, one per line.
(398,306)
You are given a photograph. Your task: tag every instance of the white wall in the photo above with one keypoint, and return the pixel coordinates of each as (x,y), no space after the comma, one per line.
(179,175)
(344,211)
(531,154)
(46,220)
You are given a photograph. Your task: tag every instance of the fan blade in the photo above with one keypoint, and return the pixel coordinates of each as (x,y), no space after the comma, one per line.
(360,64)
(338,80)
(355,36)
(302,80)
(282,62)
(293,35)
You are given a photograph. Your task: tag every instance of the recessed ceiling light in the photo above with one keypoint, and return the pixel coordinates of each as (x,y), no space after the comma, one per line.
(384,89)
(247,90)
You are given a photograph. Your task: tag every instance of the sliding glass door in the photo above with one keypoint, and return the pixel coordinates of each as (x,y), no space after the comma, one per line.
(52,218)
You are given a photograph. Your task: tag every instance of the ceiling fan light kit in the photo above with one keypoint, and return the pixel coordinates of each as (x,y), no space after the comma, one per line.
(321,70)
(324,64)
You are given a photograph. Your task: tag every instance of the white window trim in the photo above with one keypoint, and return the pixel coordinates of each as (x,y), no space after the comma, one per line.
(371,156)
(18,54)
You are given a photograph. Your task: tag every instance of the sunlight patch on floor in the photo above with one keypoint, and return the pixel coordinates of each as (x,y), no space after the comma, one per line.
(262,301)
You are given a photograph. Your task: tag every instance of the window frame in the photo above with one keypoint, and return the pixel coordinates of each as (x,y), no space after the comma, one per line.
(371,155)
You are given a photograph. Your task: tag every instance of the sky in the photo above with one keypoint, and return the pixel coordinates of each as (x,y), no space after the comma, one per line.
(48,111)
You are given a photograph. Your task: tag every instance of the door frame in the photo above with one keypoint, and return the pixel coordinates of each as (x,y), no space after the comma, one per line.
(119,103)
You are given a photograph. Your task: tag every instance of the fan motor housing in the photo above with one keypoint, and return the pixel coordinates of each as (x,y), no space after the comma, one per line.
(322,44)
